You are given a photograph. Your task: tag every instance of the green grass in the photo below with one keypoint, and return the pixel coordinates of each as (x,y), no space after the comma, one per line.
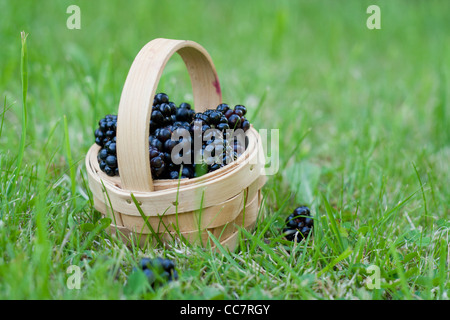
(364,141)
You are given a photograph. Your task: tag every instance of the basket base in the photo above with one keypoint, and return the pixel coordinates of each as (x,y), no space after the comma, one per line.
(246,219)
(131,239)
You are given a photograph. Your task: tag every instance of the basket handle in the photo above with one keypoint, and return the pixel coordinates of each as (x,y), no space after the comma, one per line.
(133,125)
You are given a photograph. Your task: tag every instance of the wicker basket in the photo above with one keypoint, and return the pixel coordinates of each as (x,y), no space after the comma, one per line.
(215,203)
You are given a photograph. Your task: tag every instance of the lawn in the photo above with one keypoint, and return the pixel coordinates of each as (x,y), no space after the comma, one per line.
(363,118)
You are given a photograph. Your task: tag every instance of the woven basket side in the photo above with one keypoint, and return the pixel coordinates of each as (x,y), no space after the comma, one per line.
(211,217)
(227,234)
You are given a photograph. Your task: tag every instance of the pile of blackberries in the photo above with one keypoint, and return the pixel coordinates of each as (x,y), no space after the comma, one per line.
(158,270)
(298,224)
(182,143)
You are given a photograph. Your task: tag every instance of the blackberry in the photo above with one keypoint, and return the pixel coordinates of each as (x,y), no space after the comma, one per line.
(99,134)
(109,171)
(102,165)
(169,145)
(223,107)
(157,163)
(158,270)
(105,137)
(161,98)
(163,134)
(228,113)
(184,114)
(185,105)
(103,153)
(156,143)
(187,171)
(234,121)
(111,149)
(111,161)
(241,109)
(165,109)
(298,224)
(223,126)
(157,118)
(173,107)
(245,125)
(173,175)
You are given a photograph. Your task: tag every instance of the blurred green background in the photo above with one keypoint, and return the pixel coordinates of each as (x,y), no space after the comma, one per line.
(316,63)
(372,103)
(297,65)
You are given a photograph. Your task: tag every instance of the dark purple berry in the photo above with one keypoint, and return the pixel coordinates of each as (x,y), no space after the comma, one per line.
(169,145)
(302,211)
(157,162)
(183,114)
(157,117)
(240,108)
(112,148)
(161,98)
(110,134)
(103,153)
(214,117)
(165,109)
(173,175)
(229,113)
(111,161)
(223,107)
(239,112)
(173,108)
(99,134)
(299,223)
(163,135)
(234,121)
(223,126)
(187,172)
(109,171)
(245,125)
(157,144)
(185,105)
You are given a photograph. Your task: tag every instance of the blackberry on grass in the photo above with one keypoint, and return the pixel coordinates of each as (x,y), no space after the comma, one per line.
(298,224)
(158,270)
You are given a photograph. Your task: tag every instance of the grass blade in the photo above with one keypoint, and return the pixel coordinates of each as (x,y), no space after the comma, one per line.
(136,203)
(333,223)
(24,79)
